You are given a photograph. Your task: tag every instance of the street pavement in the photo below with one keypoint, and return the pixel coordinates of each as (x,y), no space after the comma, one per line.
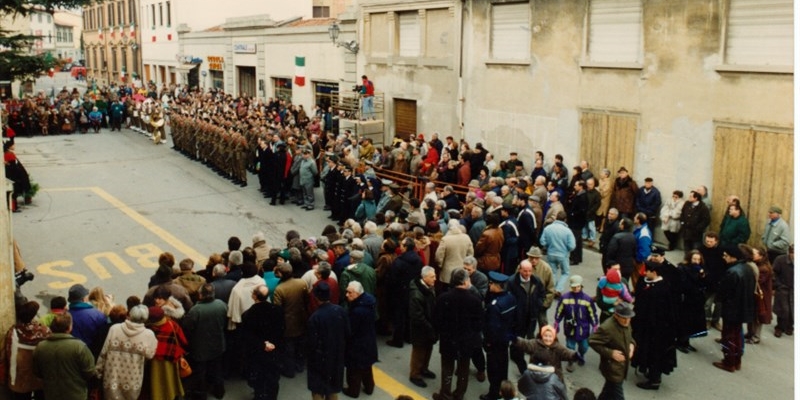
(111,202)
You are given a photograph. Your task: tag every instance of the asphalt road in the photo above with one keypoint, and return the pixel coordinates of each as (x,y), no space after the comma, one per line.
(111,202)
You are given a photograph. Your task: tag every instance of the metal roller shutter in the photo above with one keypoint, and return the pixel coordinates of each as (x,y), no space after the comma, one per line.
(760,33)
(615,31)
(511,33)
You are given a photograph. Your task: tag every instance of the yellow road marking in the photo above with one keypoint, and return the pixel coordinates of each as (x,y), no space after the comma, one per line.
(382,380)
(392,386)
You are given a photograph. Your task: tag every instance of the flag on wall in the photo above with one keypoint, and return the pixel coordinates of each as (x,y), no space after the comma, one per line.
(300,71)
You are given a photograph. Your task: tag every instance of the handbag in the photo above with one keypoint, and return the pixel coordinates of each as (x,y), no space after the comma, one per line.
(184,369)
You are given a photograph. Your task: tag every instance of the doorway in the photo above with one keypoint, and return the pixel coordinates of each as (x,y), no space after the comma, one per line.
(405,118)
(246,76)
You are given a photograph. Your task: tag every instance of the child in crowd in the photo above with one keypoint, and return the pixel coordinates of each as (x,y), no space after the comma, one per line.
(579,313)
(610,290)
(58,305)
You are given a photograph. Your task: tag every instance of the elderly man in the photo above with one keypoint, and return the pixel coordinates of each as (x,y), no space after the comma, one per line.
(63,362)
(204,326)
(357,271)
(405,268)
(362,346)
(422,299)
(542,271)
(328,329)
(530,295)
(291,295)
(613,340)
(188,279)
(776,234)
(479,286)
(783,271)
(262,327)
(240,301)
(458,318)
(86,322)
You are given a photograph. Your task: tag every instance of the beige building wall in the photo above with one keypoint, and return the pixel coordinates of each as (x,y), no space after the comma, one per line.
(680,91)
(430,78)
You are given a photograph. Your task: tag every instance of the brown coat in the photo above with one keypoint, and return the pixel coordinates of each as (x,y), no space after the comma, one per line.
(488,248)
(292,296)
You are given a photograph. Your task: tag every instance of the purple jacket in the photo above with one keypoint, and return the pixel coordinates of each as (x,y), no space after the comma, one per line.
(87,322)
(579,314)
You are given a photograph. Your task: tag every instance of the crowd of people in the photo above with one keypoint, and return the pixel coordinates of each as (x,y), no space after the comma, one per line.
(476,273)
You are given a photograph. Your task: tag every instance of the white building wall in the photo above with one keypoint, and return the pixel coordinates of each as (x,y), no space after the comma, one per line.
(160,42)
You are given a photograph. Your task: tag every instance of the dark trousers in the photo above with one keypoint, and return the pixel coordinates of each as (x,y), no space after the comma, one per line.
(772,255)
(356,378)
(732,343)
(518,357)
(399,318)
(461,368)
(205,374)
(420,359)
(672,238)
(576,256)
(293,356)
(232,359)
(264,378)
(496,367)
(611,391)
(479,360)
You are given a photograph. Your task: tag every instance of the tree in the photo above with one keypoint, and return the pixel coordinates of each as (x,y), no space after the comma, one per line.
(16,62)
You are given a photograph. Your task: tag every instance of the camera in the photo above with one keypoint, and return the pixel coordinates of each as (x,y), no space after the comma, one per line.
(23,276)
(357,88)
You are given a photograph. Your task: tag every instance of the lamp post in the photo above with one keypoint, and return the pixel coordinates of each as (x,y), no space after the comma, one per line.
(352,47)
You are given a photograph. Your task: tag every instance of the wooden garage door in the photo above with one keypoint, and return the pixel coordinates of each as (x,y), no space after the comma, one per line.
(405,118)
(756,165)
(608,140)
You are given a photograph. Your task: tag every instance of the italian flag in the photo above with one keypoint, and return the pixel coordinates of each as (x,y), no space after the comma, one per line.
(300,71)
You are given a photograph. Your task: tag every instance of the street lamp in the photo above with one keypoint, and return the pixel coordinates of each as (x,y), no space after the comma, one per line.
(333,33)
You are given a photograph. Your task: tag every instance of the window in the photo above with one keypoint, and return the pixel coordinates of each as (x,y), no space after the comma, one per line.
(131,12)
(759,33)
(321,12)
(169,14)
(69,35)
(614,31)
(120,16)
(511,31)
(408,34)
(153,14)
(325,94)
(160,14)
(111,15)
(217,79)
(49,19)
(58,35)
(282,88)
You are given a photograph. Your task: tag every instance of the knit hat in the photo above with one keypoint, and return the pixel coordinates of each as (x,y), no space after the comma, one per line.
(613,276)
(155,314)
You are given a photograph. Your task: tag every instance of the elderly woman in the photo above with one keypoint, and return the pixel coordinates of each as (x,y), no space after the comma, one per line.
(164,377)
(121,362)
(17,353)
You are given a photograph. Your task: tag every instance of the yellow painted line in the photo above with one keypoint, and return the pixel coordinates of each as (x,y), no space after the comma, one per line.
(392,386)
(141,220)
(382,380)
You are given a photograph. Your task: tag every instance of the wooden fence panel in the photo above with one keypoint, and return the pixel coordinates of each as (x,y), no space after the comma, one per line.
(733,159)
(622,130)
(771,182)
(594,132)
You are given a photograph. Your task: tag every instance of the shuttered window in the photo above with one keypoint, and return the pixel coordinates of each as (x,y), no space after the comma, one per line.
(759,32)
(408,45)
(511,31)
(615,31)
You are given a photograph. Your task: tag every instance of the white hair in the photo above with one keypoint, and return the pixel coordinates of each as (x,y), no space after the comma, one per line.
(426,270)
(370,227)
(356,286)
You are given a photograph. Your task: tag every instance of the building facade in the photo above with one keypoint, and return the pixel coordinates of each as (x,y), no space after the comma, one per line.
(688,93)
(68,27)
(112,41)
(163,61)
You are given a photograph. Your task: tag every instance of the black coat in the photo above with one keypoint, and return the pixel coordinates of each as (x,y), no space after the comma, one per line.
(736,292)
(694,220)
(692,316)
(527,311)
(458,318)
(654,326)
(328,330)
(576,216)
(362,345)
(622,251)
(405,268)
(262,322)
(421,302)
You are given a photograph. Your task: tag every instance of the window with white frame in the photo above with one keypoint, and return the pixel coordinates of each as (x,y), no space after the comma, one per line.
(614,31)
(759,33)
(408,34)
(510,34)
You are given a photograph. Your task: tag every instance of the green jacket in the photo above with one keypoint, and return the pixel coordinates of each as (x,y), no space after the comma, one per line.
(733,231)
(612,336)
(65,364)
(361,273)
(204,326)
